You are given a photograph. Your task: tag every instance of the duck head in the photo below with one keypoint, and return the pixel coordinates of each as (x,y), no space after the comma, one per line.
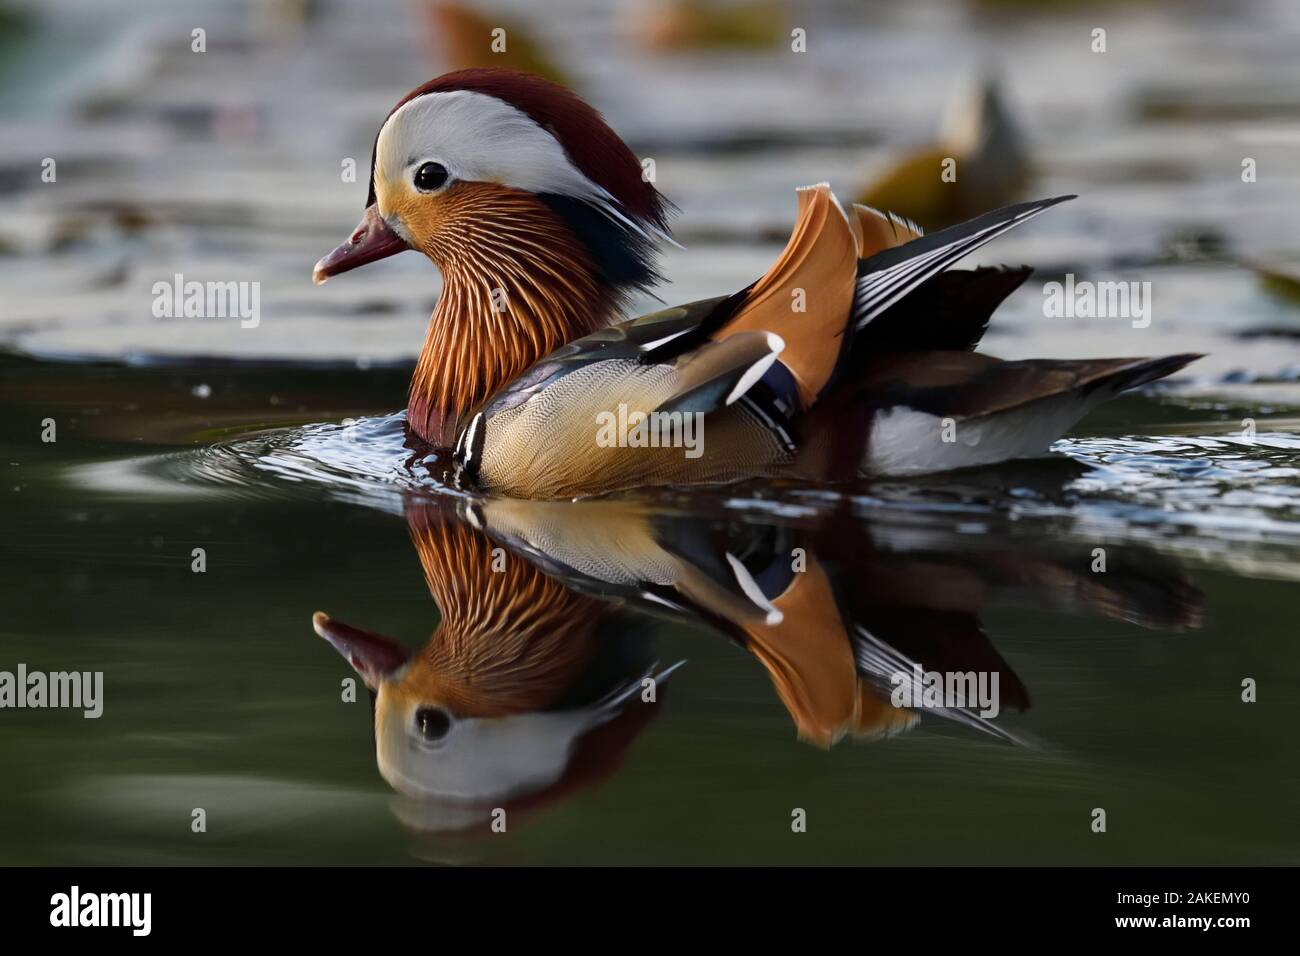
(536,213)
(520,697)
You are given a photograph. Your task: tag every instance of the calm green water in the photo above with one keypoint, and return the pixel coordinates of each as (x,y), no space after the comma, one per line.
(219,695)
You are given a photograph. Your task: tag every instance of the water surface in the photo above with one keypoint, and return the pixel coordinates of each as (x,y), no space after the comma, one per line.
(219,694)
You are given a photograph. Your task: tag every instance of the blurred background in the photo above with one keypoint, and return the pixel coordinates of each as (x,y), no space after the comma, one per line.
(128,155)
(228,164)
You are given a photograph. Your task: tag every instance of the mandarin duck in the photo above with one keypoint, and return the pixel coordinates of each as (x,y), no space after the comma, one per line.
(852,355)
(525,693)
(531,687)
(797,601)
(835,609)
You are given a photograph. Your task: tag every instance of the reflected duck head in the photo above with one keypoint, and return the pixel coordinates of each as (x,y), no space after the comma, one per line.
(519,696)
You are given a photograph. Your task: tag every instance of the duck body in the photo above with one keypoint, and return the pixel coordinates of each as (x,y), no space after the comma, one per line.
(852,355)
(604,405)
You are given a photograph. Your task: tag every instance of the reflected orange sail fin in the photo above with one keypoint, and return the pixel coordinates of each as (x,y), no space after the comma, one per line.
(809,657)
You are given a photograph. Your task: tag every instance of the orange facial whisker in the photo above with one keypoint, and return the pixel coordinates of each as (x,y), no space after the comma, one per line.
(517,284)
(510,640)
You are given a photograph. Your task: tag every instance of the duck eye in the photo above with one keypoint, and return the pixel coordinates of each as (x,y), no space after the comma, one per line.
(430,176)
(433,723)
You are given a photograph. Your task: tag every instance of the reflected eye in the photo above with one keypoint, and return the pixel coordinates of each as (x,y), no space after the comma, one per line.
(433,723)
(430,176)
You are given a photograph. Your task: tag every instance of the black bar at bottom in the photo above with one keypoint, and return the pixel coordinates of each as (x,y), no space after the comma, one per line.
(333,906)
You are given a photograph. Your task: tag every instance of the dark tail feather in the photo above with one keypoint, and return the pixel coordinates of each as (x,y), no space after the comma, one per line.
(1143,372)
(889,275)
(884,664)
(962,384)
(948,312)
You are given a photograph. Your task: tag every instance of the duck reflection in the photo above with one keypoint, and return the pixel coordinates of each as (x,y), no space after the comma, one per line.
(522,693)
(541,672)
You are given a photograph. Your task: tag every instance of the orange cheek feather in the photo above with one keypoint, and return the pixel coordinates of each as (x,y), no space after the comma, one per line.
(517,284)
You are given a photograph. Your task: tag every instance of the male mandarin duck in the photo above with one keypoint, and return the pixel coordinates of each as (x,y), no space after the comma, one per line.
(846,358)
(532,686)
(811,608)
(525,692)
(832,611)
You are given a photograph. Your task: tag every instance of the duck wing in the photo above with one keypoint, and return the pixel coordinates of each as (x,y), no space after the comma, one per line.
(843,358)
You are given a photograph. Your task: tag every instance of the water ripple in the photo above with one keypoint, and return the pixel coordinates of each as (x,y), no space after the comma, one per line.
(1227,500)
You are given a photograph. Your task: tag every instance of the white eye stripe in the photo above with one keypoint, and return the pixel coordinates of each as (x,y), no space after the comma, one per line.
(479,138)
